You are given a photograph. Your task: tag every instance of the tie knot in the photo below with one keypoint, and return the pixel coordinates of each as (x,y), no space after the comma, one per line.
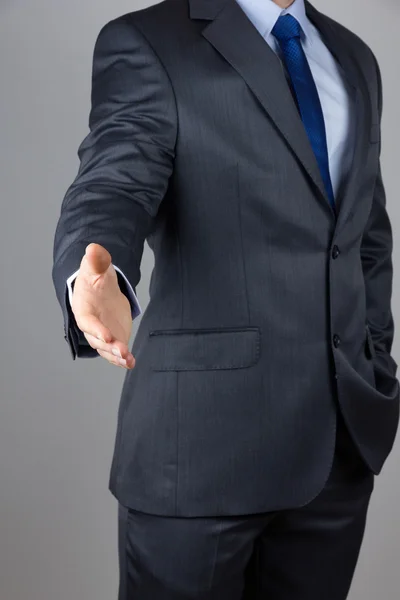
(286,28)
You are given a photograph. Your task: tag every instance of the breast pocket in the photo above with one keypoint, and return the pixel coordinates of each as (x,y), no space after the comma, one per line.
(204,349)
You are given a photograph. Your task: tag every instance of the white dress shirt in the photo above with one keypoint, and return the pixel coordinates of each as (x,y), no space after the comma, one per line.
(334,96)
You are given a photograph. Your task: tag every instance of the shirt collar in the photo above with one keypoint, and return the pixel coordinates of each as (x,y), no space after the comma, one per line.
(265,13)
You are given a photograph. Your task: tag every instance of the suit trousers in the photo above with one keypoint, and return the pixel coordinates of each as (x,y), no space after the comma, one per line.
(304,553)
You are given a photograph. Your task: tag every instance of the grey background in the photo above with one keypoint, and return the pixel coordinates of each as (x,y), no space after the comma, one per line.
(58,534)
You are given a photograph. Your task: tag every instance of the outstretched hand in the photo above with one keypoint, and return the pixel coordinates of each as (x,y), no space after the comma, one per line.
(102,311)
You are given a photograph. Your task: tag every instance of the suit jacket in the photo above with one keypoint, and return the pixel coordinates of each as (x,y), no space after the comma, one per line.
(267,312)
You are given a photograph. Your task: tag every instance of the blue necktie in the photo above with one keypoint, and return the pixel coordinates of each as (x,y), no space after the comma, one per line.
(287,31)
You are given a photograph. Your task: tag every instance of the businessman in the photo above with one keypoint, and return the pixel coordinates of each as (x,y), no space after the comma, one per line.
(241,139)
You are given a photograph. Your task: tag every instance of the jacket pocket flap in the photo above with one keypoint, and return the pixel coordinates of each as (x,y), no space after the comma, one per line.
(204,349)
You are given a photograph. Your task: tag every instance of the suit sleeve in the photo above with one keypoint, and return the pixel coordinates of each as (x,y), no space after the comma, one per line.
(126,161)
(376,256)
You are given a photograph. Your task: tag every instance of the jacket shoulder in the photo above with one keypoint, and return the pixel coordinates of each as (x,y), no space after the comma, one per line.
(361,50)
(158,26)
(161,14)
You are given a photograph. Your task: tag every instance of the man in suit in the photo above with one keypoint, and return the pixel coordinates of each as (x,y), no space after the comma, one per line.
(241,139)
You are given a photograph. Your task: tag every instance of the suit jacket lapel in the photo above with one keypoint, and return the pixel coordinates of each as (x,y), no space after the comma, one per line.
(239,42)
(339,47)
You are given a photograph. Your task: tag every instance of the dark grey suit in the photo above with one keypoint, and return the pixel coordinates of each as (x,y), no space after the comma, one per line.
(266,312)
(237,364)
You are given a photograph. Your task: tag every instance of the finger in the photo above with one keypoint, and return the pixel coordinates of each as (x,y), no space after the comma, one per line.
(91,325)
(114,360)
(117,348)
(95,261)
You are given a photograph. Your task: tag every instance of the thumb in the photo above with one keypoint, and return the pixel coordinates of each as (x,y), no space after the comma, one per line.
(96,260)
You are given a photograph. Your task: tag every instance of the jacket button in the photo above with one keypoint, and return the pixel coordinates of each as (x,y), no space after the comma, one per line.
(335,252)
(336,340)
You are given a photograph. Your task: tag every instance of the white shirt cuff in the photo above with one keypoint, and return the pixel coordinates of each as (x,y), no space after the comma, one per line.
(136,308)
